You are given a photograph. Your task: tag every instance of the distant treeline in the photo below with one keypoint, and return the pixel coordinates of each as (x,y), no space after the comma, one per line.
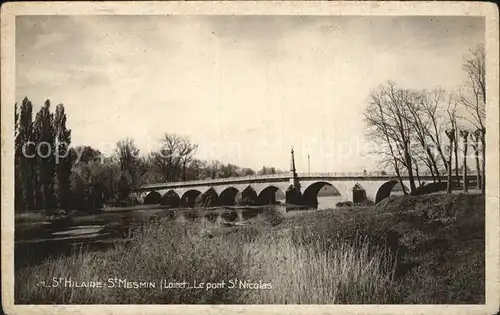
(51,174)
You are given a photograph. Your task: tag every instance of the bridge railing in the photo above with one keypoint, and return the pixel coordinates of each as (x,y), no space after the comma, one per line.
(345,174)
(369,174)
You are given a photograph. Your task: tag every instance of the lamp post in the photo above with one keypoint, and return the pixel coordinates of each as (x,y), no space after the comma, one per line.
(308,164)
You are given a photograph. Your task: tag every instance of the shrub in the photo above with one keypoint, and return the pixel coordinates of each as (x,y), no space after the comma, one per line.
(344,204)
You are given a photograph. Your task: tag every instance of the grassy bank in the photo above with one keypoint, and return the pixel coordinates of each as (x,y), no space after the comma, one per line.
(427,249)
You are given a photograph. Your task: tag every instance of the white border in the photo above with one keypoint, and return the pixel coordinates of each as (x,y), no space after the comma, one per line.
(488,10)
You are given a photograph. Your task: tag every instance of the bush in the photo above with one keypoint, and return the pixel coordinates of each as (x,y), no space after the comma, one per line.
(344,204)
(271,216)
(241,200)
(430,188)
(365,203)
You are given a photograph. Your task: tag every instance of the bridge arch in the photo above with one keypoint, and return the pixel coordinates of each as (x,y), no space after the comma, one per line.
(171,199)
(227,196)
(310,192)
(188,199)
(246,197)
(268,195)
(358,193)
(385,190)
(152,198)
(209,198)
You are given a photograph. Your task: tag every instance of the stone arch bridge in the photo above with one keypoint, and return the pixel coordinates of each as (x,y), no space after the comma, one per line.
(261,190)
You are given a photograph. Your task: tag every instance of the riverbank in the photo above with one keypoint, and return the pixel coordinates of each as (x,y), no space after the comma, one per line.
(408,249)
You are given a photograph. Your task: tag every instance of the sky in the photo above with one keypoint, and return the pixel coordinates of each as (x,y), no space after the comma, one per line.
(244,88)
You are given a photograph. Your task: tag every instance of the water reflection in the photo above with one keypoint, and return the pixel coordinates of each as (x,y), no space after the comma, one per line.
(35,242)
(80,230)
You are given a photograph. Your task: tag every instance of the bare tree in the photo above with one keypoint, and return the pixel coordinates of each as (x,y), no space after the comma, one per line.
(430,104)
(426,161)
(473,98)
(417,173)
(387,117)
(168,158)
(452,116)
(186,154)
(423,120)
(476,135)
(197,166)
(128,155)
(465,136)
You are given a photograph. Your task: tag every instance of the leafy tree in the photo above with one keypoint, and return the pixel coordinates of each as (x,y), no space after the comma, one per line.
(266,170)
(128,156)
(108,176)
(124,185)
(229,170)
(25,162)
(175,153)
(78,191)
(63,140)
(18,181)
(196,169)
(246,172)
(87,154)
(44,131)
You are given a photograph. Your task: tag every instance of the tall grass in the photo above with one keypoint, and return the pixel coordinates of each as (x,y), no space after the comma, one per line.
(297,270)
(319,273)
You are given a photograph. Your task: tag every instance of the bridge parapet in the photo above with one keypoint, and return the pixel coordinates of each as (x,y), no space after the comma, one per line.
(346,174)
(220,180)
(282,176)
(369,174)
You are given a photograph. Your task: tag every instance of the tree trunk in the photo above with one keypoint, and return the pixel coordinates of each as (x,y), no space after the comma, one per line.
(455,152)
(431,169)
(478,168)
(450,155)
(417,173)
(401,181)
(464,165)
(432,174)
(410,170)
(478,172)
(434,164)
(483,179)
(448,190)
(445,162)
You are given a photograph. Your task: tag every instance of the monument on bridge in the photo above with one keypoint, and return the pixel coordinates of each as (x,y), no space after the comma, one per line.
(293,195)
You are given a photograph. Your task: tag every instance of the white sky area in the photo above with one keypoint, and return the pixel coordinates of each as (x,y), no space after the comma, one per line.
(245,88)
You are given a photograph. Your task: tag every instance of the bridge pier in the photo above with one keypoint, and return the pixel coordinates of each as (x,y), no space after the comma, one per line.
(239,213)
(247,197)
(293,197)
(170,199)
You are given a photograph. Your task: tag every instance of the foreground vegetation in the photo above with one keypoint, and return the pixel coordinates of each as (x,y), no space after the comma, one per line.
(425,249)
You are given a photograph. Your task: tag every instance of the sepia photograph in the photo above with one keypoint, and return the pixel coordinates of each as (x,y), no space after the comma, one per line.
(234,159)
